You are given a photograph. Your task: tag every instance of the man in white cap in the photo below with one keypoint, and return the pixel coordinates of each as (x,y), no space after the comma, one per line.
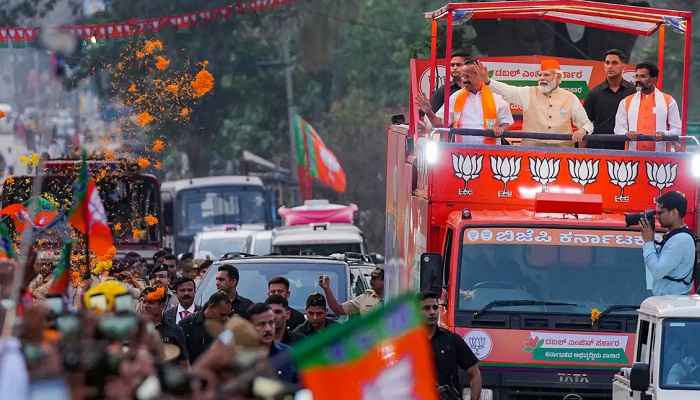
(547,108)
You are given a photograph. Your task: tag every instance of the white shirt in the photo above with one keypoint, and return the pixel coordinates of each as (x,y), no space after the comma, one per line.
(180,309)
(472,116)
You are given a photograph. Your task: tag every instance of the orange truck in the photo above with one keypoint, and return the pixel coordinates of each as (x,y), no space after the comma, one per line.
(538,269)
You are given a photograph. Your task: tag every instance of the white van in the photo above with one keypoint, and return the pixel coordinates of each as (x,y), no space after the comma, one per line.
(667,353)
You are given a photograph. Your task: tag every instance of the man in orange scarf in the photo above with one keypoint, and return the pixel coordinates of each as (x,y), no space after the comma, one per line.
(473,107)
(649,111)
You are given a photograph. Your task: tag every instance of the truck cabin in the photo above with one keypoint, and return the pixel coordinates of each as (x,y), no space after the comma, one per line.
(667,352)
(127,195)
(191,205)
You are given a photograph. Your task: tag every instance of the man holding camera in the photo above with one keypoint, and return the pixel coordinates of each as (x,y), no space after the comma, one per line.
(671,261)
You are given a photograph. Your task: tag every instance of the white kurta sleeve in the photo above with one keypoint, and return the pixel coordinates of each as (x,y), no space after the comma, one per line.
(674,119)
(579,116)
(512,94)
(505,117)
(621,127)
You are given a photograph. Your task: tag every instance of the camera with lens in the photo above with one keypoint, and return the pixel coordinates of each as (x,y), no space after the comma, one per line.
(632,219)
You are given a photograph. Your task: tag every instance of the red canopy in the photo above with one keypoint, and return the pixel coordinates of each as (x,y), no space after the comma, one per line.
(614,17)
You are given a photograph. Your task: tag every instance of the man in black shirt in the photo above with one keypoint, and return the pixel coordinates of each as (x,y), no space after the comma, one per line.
(316,320)
(280,307)
(197,339)
(602,102)
(227,281)
(450,352)
(279,285)
(458,61)
(152,305)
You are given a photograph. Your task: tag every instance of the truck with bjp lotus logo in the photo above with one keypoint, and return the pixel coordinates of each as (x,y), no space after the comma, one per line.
(529,246)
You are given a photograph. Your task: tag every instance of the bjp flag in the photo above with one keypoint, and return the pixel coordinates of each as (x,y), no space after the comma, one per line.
(383,355)
(315,158)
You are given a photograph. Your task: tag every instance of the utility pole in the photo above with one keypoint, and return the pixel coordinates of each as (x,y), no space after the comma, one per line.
(291,110)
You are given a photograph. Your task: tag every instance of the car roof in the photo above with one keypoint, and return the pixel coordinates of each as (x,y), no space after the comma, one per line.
(671,306)
(308,238)
(311,234)
(316,227)
(223,234)
(211,181)
(280,260)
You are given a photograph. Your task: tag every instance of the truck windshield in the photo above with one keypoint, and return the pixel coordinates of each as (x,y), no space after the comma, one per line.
(302,276)
(591,269)
(219,206)
(680,355)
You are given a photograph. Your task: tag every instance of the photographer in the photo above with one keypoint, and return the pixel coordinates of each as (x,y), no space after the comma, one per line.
(671,261)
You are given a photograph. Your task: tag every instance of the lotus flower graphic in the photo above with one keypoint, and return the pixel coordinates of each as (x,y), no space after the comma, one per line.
(505,169)
(544,170)
(467,168)
(583,172)
(660,175)
(622,174)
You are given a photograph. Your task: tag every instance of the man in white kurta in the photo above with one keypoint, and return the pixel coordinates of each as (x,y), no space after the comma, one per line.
(547,108)
(647,112)
(468,112)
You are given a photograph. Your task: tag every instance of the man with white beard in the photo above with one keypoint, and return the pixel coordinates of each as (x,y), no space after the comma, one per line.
(547,108)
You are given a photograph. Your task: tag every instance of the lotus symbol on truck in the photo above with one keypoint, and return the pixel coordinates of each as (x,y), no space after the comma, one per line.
(505,169)
(622,174)
(660,175)
(544,170)
(583,172)
(466,168)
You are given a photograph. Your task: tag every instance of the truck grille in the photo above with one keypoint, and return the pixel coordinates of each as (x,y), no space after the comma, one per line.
(544,394)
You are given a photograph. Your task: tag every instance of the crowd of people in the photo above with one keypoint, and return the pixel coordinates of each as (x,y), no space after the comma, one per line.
(135,331)
(616,106)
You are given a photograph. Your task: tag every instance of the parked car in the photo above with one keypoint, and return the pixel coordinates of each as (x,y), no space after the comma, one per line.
(302,273)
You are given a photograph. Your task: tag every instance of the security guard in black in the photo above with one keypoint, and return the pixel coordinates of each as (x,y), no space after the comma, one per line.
(450,353)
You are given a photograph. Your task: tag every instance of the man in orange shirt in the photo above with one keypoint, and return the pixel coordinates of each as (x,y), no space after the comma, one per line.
(647,112)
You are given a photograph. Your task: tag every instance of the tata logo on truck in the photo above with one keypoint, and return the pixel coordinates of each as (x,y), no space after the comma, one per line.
(480,343)
(573,378)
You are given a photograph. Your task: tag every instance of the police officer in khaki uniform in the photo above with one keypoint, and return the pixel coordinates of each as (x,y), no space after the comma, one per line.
(360,304)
